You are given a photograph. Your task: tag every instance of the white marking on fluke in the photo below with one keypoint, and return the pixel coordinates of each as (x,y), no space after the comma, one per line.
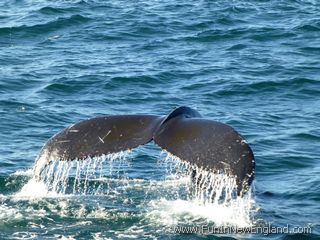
(101,140)
(74,130)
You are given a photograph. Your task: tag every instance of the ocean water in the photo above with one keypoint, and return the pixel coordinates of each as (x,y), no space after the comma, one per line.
(254,65)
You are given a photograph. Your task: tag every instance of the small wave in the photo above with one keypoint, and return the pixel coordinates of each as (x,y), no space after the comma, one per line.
(60,23)
(18,105)
(65,88)
(297,84)
(307,136)
(237,47)
(48,10)
(218,34)
(315,50)
(140,80)
(270,34)
(313,26)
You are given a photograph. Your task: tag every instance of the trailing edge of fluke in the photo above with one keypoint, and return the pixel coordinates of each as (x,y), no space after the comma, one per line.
(204,143)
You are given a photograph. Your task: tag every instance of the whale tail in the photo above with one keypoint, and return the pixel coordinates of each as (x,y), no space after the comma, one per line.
(206,144)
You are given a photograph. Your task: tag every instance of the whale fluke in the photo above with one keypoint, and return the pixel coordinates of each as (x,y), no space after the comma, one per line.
(204,143)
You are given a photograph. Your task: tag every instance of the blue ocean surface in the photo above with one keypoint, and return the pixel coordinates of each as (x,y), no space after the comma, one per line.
(252,64)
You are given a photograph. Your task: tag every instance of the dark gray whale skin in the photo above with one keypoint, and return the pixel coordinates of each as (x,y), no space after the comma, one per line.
(204,143)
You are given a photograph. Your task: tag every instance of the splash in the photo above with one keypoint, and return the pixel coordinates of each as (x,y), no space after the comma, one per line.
(188,194)
(209,196)
(35,189)
(78,177)
(28,173)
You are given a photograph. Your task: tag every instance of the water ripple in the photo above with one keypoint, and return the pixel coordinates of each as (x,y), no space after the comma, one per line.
(25,31)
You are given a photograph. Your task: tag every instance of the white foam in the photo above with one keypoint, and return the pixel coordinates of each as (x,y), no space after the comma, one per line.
(174,212)
(24,235)
(214,198)
(98,236)
(28,173)
(34,189)
(62,237)
(9,213)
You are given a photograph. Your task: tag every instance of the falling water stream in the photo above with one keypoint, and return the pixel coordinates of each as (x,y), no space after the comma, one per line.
(214,198)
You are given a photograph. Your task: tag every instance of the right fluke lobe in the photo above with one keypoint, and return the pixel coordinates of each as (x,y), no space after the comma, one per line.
(209,145)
